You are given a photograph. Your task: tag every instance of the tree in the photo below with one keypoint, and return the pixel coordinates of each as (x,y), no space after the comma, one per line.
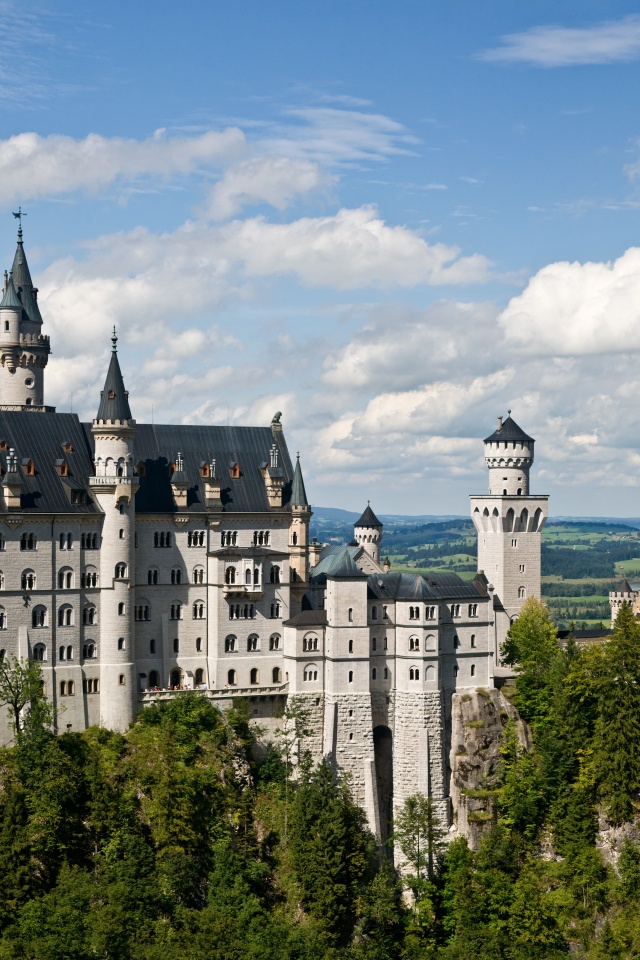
(532,647)
(291,737)
(21,685)
(419,834)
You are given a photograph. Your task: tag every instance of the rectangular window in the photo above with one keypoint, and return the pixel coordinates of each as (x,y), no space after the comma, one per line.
(521,568)
(514,543)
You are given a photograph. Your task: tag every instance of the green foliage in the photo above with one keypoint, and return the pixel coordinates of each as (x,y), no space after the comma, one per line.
(418,833)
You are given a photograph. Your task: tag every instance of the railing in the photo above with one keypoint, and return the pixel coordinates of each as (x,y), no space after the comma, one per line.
(224,693)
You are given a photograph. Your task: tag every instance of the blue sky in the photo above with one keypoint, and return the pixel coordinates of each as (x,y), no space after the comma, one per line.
(391,221)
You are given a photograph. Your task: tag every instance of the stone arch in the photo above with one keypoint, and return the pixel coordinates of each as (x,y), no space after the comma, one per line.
(537,517)
(383,756)
(509,520)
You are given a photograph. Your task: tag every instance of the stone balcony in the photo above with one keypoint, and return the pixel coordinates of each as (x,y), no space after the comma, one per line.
(242,591)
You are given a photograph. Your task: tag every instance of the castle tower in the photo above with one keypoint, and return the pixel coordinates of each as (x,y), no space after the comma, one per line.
(24,351)
(299,538)
(114,487)
(509,521)
(367,532)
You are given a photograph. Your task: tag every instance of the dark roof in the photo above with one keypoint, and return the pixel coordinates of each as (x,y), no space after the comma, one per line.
(307,618)
(624,587)
(413,586)
(114,399)
(368,519)
(584,636)
(298,493)
(39,437)
(156,446)
(11,298)
(22,282)
(338,565)
(231,553)
(509,431)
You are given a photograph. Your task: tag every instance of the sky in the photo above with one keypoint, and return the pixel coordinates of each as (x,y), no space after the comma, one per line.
(390,221)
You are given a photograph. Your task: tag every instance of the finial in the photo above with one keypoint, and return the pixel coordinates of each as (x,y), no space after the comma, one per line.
(114,340)
(19,215)
(298,455)
(509,412)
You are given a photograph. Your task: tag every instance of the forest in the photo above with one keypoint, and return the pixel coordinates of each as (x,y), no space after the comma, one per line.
(172,841)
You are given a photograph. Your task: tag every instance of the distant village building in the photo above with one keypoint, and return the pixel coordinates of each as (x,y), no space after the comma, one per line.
(142,560)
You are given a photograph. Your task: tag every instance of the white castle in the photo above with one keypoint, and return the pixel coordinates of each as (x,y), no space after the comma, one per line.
(141,560)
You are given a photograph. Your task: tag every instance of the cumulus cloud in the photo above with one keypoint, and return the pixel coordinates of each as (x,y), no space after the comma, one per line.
(277,181)
(609,41)
(578,308)
(32,166)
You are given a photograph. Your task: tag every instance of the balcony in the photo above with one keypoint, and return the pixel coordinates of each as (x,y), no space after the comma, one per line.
(242,591)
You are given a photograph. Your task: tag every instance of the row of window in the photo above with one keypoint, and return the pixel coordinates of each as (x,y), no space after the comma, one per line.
(231,575)
(253,643)
(39,652)
(254,677)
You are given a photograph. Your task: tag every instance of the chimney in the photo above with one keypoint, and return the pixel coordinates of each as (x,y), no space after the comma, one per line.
(386,565)
(499,423)
(212,488)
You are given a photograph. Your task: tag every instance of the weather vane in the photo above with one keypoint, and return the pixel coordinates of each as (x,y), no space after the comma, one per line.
(19,215)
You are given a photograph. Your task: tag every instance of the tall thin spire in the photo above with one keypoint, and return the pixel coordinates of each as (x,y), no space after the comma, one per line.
(22,281)
(114,399)
(298,493)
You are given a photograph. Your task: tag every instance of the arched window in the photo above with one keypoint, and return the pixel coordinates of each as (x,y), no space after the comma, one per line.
(89,651)
(310,672)
(230,644)
(230,575)
(120,571)
(430,674)
(350,676)
(154,679)
(274,574)
(231,678)
(176,644)
(176,575)
(122,680)
(152,645)
(89,616)
(374,674)
(121,610)
(69,652)
(430,644)
(62,653)
(374,613)
(89,578)
(121,643)
(385,673)
(198,574)
(247,577)
(473,669)
(40,652)
(175,679)
(3,619)
(473,640)
(276,675)
(274,641)
(252,642)
(254,676)
(198,610)
(65,579)
(28,541)
(39,617)
(198,644)
(176,611)
(521,593)
(350,615)
(455,669)
(1,580)
(142,611)
(63,688)
(414,673)
(28,580)
(199,677)
(152,575)
(414,643)
(350,646)
(65,616)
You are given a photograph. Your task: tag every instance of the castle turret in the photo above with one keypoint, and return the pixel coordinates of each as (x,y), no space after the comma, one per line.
(367,531)
(114,487)
(299,537)
(24,351)
(509,521)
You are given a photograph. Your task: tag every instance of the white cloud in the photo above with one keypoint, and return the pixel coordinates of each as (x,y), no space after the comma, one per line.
(32,166)
(578,308)
(609,41)
(277,181)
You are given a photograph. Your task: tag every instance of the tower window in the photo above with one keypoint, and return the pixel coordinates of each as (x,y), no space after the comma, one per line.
(514,543)
(350,615)
(521,593)
(121,643)
(473,669)
(350,676)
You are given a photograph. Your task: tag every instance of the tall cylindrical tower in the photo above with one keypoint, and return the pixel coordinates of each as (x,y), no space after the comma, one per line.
(508,453)
(367,531)
(24,351)
(114,486)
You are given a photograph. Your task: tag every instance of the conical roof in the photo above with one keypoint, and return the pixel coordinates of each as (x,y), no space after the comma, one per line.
(11,298)
(23,283)
(625,587)
(114,399)
(298,493)
(509,430)
(368,519)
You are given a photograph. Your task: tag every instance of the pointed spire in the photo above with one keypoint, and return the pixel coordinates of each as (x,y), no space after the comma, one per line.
(368,519)
(298,493)
(114,399)
(23,283)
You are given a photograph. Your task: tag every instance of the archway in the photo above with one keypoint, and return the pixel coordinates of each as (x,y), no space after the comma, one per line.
(383,753)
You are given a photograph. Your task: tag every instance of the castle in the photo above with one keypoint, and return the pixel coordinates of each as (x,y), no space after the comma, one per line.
(141,560)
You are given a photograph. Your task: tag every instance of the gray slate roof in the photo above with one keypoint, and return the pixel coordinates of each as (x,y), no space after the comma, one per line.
(22,282)
(298,493)
(508,432)
(413,586)
(114,399)
(368,519)
(307,618)
(11,298)
(338,564)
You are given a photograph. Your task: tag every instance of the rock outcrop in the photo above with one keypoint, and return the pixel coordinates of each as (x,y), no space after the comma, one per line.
(478,718)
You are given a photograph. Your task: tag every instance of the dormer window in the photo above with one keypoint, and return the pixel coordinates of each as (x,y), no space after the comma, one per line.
(62,467)
(205,470)
(111,395)
(4,444)
(234,470)
(67,446)
(29,467)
